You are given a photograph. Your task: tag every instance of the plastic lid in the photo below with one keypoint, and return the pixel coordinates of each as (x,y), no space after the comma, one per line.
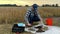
(21,24)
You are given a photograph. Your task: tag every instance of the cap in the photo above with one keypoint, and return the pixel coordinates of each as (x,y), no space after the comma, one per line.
(35,6)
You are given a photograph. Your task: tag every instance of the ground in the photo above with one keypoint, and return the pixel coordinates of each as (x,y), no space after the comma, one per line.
(6,28)
(51,30)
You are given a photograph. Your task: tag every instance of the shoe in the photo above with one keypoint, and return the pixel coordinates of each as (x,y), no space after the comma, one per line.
(38,27)
(40,31)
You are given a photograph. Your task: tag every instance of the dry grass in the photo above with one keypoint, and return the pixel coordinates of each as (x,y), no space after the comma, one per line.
(6,29)
(13,14)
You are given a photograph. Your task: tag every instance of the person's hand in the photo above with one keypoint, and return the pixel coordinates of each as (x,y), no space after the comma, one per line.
(29,25)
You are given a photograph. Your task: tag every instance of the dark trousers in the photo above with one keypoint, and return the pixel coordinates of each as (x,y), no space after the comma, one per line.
(33,19)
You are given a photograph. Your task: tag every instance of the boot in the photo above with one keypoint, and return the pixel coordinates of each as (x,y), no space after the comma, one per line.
(40,30)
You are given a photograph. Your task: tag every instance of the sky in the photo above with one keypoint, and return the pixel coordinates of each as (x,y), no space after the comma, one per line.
(29,2)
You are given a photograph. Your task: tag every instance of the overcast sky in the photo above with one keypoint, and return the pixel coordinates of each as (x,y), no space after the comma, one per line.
(29,2)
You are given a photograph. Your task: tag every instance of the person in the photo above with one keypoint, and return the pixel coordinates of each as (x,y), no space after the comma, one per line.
(32,15)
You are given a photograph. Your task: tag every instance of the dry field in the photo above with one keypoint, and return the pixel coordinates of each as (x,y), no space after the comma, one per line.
(13,14)
(7,29)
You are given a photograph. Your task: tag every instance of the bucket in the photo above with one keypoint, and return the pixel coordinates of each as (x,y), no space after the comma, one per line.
(49,21)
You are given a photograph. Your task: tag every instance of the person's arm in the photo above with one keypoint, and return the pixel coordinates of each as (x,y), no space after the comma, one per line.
(26,16)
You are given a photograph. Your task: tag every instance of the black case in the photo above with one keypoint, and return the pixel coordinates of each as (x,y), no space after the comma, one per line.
(17,28)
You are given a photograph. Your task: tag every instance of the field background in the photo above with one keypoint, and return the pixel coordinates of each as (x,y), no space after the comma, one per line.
(11,15)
